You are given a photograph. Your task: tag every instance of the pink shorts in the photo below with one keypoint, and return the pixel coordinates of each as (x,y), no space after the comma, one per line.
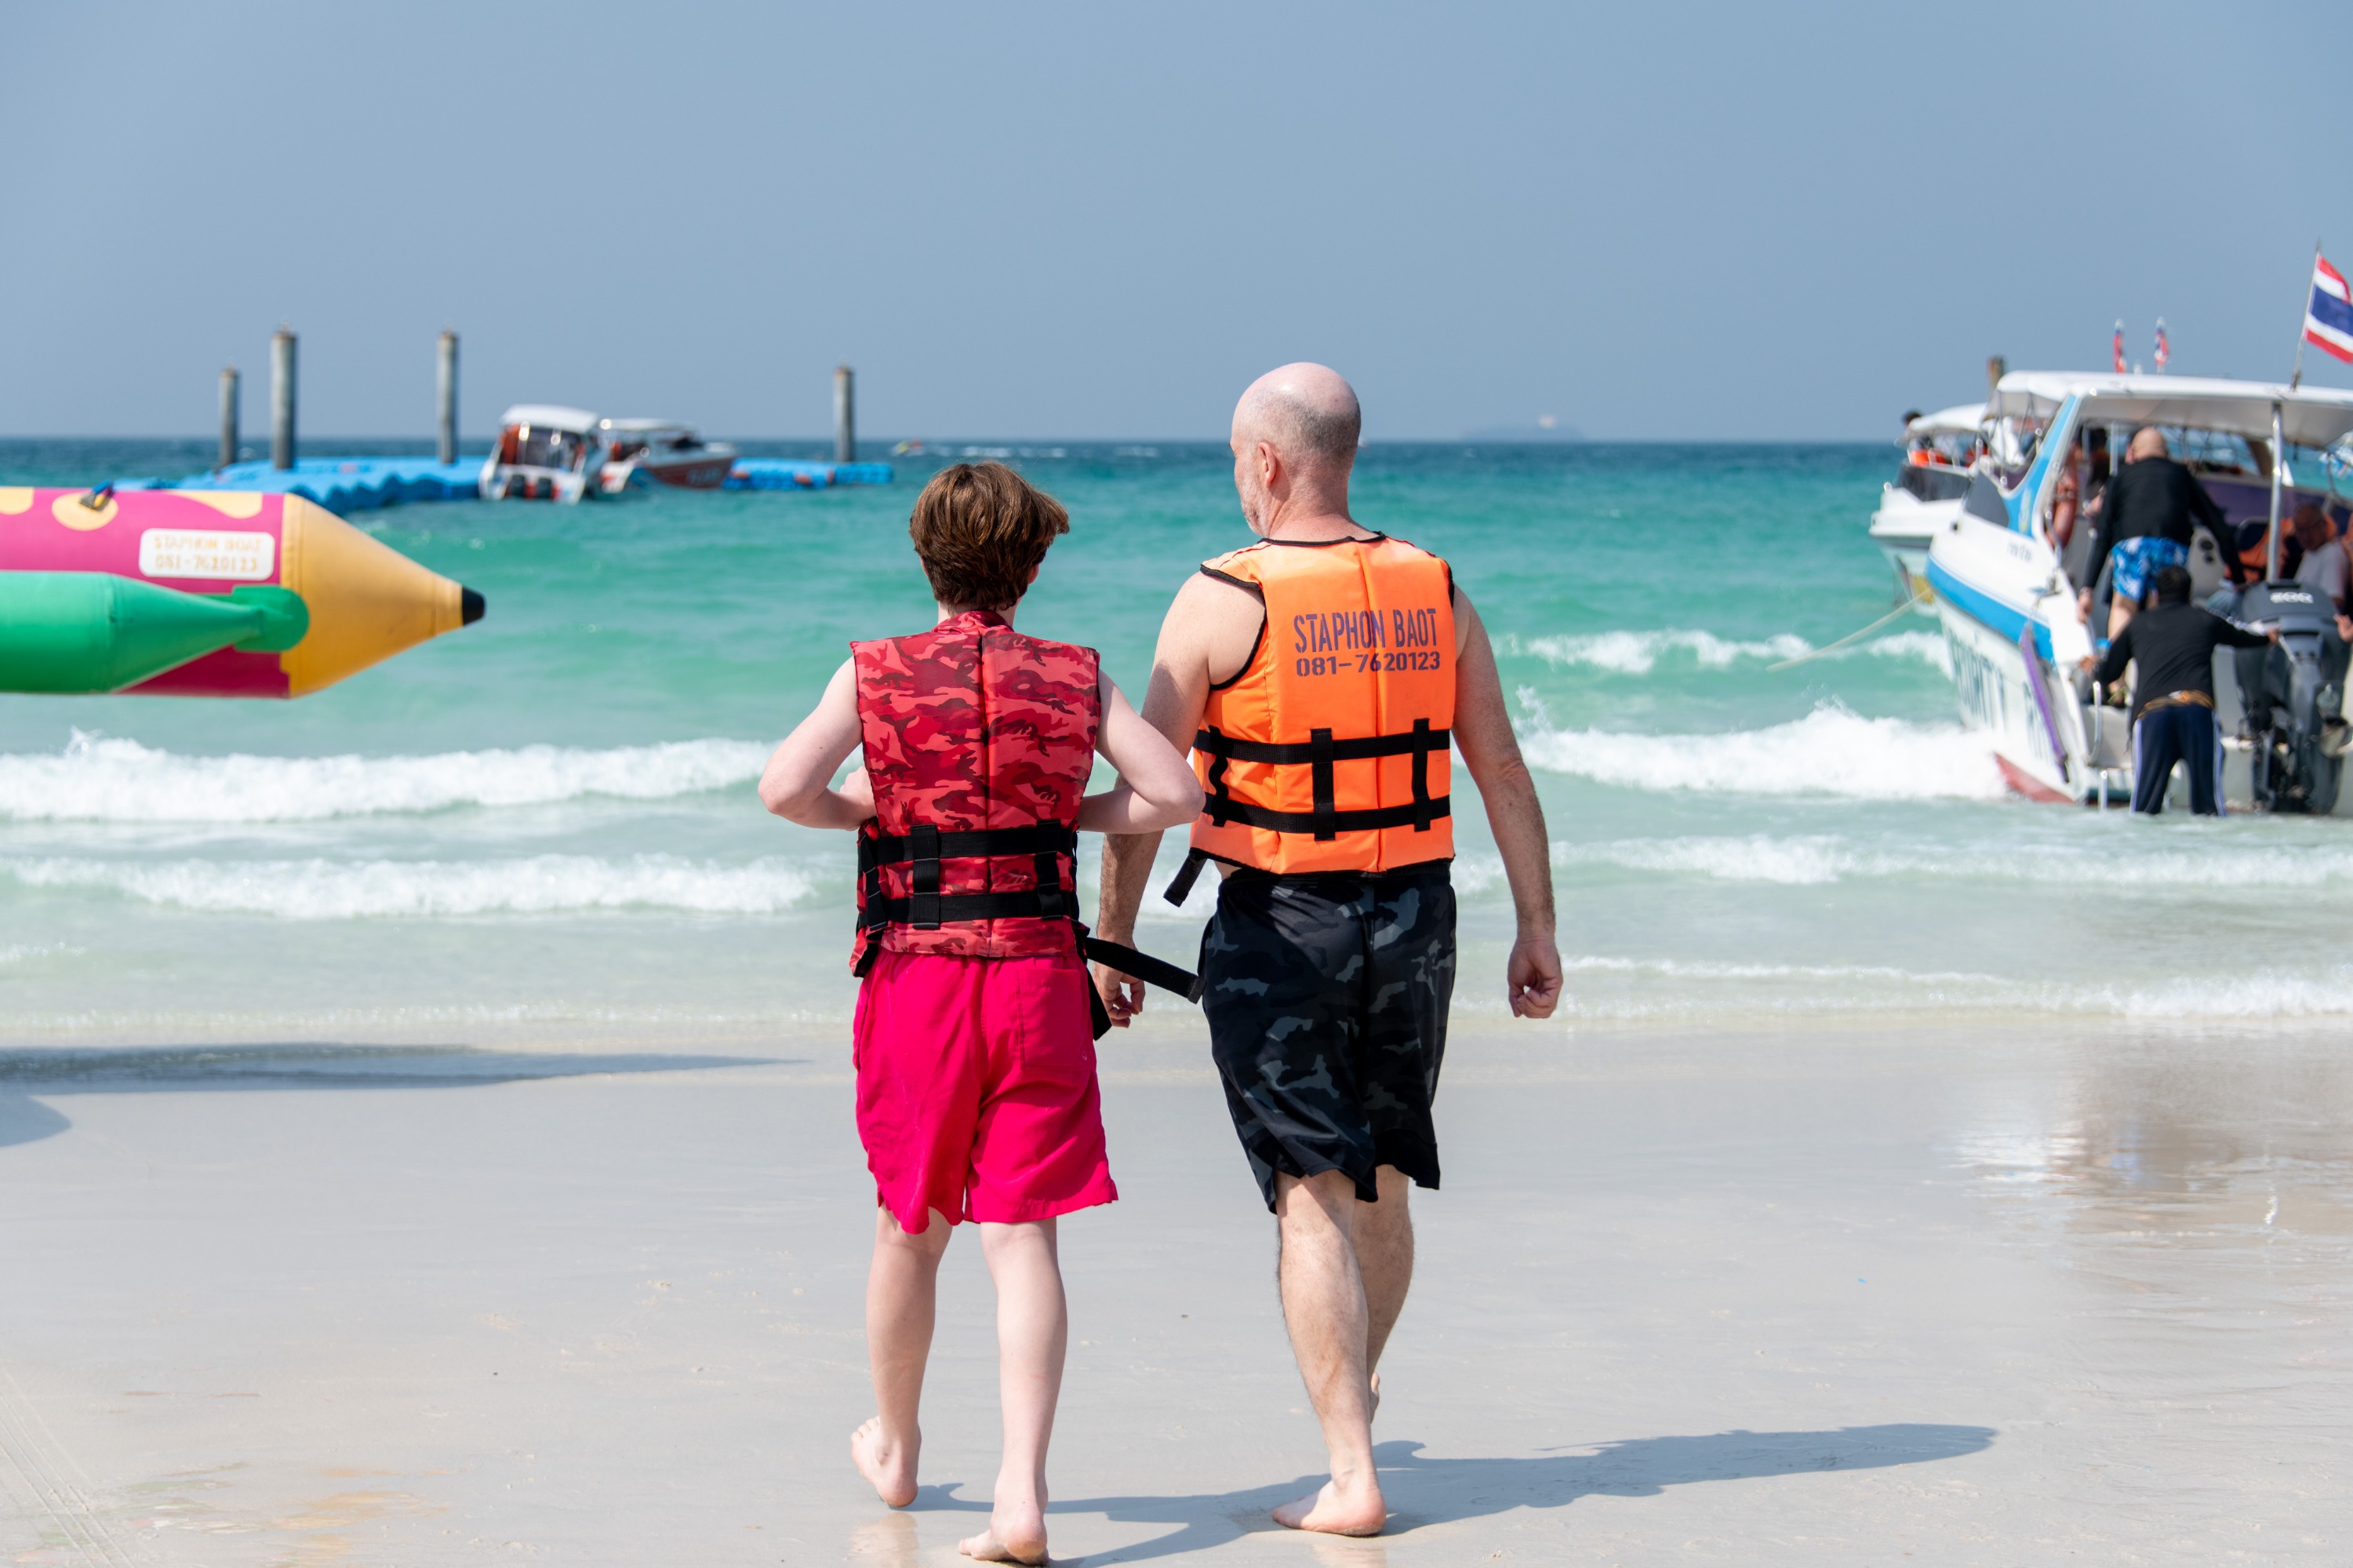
(977,1088)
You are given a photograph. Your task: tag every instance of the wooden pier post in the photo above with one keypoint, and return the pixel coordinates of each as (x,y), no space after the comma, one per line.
(228,412)
(844,414)
(445,388)
(281,397)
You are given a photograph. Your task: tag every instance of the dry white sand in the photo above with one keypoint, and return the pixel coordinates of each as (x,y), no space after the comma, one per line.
(1995,1297)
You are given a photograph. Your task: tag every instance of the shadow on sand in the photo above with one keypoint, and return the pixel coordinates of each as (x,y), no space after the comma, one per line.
(1424,1491)
(131,1070)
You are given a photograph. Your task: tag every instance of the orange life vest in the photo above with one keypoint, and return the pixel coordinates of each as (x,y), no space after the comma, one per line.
(1330,751)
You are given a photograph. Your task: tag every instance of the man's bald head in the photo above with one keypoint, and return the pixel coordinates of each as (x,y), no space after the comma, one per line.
(2148,441)
(1306,413)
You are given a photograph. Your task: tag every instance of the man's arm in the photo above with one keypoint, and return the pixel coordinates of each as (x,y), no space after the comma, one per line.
(1483,733)
(2111,667)
(794,785)
(2232,634)
(1198,641)
(2103,530)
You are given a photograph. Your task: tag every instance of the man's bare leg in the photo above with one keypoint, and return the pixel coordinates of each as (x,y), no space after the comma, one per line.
(1383,1238)
(901,1298)
(1033,1331)
(2120,614)
(1323,1307)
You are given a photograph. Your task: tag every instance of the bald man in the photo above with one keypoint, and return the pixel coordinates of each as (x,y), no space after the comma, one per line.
(1322,675)
(2148,515)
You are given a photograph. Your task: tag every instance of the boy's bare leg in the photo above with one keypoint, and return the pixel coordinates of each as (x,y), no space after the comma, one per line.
(901,1299)
(1324,1307)
(1033,1331)
(1383,1232)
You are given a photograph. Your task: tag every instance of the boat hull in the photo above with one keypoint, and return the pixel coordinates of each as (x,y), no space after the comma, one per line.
(1902,527)
(706,469)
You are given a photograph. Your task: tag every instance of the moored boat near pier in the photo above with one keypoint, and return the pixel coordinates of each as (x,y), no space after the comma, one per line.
(2005,582)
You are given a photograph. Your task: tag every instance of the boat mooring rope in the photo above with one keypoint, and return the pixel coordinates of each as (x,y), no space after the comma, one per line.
(1849,637)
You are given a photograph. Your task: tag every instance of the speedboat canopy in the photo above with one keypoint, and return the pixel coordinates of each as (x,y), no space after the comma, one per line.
(1962,419)
(2315,416)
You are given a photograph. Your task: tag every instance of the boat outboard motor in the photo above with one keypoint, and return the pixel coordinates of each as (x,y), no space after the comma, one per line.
(2294,694)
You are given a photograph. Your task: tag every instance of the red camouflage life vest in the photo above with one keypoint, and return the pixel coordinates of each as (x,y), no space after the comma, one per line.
(978,742)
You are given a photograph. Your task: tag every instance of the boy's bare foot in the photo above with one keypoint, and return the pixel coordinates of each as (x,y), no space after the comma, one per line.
(890,1466)
(1358,1511)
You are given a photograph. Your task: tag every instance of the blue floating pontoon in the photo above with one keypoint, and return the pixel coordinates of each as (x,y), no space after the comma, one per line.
(339,485)
(791,473)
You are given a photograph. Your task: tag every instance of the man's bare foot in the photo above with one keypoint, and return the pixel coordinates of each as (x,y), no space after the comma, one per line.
(890,1466)
(1014,1535)
(1358,1512)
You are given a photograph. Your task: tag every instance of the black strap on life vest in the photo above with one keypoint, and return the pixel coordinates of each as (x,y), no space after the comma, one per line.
(1318,754)
(926,909)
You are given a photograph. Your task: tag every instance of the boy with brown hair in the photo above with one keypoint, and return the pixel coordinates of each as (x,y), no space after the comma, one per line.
(976,1096)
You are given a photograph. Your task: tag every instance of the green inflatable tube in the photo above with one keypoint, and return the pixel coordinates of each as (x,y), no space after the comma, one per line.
(95,631)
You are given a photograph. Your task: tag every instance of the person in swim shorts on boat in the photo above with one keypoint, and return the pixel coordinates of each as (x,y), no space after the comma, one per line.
(1321,675)
(2173,701)
(2148,517)
(976,1062)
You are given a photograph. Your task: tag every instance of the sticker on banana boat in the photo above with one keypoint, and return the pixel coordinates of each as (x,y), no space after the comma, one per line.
(216,554)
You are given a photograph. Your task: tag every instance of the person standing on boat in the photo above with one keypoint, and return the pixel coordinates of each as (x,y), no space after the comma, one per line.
(1322,674)
(2173,702)
(2148,515)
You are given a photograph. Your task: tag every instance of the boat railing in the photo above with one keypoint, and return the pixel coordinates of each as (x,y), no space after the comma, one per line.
(1932,481)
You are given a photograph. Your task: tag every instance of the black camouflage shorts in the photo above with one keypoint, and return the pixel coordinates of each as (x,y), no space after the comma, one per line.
(1326,997)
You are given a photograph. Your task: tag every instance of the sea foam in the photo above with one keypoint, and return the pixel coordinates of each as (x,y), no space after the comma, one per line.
(1831,751)
(1639,652)
(342,890)
(113,780)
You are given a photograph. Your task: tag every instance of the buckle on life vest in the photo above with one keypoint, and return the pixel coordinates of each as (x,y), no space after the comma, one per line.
(1319,773)
(924,878)
(1222,800)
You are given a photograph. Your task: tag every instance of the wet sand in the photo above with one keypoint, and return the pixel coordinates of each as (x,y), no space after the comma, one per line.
(1987,1298)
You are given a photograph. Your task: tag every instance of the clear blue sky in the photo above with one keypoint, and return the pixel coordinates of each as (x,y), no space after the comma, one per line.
(1084,220)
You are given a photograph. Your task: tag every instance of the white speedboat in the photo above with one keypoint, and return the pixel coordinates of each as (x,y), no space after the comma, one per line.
(661,451)
(544,452)
(1925,493)
(2008,605)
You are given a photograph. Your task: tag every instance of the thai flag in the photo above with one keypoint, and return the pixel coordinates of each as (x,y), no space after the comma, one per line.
(2329,319)
(2164,349)
(2120,348)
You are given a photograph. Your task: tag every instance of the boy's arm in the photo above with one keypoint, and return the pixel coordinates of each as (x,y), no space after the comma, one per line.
(1156,789)
(1173,705)
(794,785)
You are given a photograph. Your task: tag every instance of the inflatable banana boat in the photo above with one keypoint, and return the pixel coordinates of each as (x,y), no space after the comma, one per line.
(202,594)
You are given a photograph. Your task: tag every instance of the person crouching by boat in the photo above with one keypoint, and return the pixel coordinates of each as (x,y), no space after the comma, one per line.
(2148,516)
(2173,707)
(975,1050)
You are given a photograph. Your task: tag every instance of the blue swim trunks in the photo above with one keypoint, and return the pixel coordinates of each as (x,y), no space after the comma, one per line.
(2134,561)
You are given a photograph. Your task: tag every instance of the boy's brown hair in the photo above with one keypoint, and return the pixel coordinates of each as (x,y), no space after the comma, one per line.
(980,530)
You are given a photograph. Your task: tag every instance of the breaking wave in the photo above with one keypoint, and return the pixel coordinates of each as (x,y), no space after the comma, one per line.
(342,890)
(110,781)
(2258,872)
(1603,988)
(1639,652)
(1831,751)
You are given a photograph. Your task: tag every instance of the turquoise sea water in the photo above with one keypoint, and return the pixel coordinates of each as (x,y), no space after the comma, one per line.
(545,822)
